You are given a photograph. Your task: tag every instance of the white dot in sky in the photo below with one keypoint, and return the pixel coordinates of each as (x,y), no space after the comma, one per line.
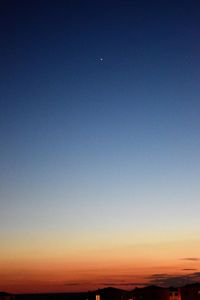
(101,59)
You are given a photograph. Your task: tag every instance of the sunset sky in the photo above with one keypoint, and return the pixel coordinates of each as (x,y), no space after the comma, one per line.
(99,144)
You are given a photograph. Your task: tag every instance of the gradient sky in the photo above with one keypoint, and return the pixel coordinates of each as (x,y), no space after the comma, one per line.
(99,158)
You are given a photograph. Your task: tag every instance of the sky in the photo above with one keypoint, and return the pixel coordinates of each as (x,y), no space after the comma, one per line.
(99,144)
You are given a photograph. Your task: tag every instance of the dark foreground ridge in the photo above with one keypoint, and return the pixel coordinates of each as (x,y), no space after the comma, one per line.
(153,292)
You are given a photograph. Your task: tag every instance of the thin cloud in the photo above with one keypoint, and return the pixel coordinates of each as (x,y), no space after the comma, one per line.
(109,283)
(167,280)
(135,284)
(75,283)
(72,284)
(159,275)
(122,283)
(196,275)
(191,258)
(189,269)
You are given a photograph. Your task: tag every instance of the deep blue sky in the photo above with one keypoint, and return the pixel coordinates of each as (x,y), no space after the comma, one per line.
(96,144)
(67,117)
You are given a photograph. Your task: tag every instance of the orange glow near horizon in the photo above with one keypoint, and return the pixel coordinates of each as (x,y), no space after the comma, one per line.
(122,267)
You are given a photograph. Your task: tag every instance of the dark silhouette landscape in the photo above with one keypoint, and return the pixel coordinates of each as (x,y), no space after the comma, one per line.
(153,292)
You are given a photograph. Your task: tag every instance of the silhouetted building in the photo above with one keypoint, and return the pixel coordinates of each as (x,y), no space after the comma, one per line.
(191,292)
(174,293)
